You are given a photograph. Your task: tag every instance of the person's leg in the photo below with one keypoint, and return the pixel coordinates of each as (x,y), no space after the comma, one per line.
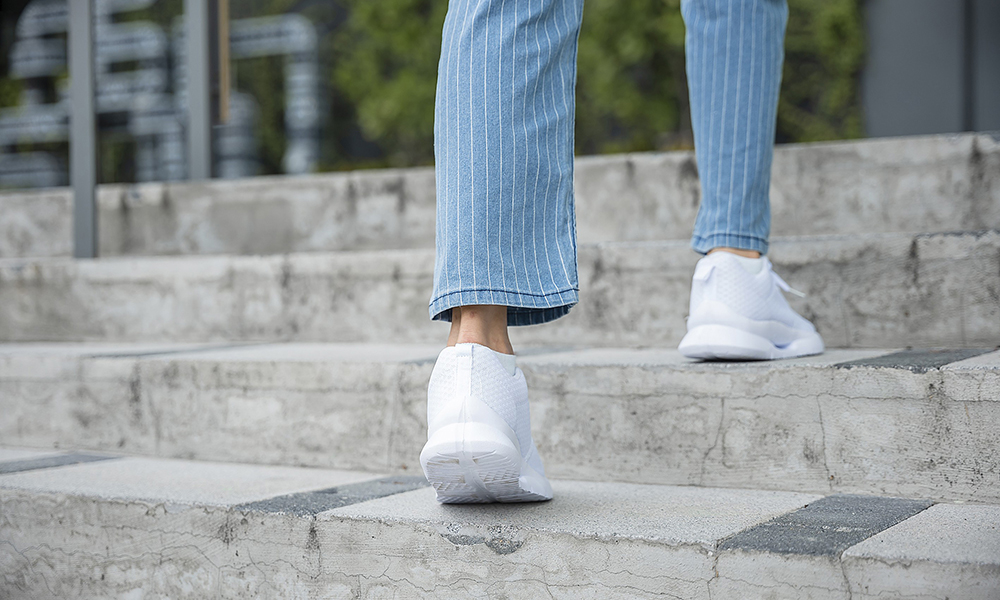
(734,60)
(734,54)
(504,159)
(506,240)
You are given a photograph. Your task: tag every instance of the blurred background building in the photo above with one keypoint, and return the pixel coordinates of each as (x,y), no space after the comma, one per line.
(342,84)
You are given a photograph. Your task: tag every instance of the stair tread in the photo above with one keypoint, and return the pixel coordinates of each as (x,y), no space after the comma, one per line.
(921,422)
(949,359)
(140,515)
(917,183)
(862,291)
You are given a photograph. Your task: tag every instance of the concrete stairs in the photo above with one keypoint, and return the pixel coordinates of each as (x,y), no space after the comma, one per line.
(863,291)
(259,339)
(109,526)
(913,184)
(918,423)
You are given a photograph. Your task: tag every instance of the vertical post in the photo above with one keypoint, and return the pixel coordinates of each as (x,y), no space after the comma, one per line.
(223,17)
(968,66)
(199,89)
(83,128)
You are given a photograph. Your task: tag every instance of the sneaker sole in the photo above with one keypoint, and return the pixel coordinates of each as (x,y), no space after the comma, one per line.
(476,463)
(722,342)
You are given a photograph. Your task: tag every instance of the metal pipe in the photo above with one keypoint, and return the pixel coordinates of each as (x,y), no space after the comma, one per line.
(223,12)
(199,89)
(83,128)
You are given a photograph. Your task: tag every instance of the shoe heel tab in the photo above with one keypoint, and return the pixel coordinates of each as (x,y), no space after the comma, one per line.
(703,270)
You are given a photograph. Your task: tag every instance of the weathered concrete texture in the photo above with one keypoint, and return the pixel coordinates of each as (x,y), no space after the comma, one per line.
(918,360)
(627,415)
(948,551)
(827,526)
(592,541)
(800,425)
(864,291)
(932,183)
(261,215)
(317,501)
(78,395)
(178,482)
(51,460)
(19,454)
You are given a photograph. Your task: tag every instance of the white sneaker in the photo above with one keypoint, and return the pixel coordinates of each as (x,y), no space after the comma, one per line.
(739,313)
(479,446)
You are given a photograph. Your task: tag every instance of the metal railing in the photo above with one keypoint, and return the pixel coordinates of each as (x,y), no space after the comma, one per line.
(83,124)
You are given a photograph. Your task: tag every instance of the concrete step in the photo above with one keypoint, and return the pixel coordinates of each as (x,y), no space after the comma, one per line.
(916,184)
(917,423)
(863,291)
(124,527)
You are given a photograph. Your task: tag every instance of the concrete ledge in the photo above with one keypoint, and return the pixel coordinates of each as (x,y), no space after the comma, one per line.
(923,556)
(931,183)
(833,423)
(129,526)
(863,291)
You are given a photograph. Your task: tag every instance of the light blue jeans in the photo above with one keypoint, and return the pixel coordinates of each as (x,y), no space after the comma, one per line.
(503,144)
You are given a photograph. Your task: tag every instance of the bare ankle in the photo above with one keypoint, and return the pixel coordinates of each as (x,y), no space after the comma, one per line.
(480,324)
(737,251)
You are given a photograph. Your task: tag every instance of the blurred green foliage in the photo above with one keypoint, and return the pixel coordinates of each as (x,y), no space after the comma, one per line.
(631,88)
(10,92)
(824,54)
(380,58)
(385,63)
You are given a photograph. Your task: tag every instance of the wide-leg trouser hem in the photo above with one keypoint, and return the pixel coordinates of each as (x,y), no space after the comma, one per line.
(703,243)
(522,309)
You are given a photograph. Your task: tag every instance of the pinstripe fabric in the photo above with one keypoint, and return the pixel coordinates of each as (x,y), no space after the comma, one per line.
(734,53)
(503,144)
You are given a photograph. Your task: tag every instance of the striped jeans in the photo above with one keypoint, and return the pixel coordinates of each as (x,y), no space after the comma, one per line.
(503,144)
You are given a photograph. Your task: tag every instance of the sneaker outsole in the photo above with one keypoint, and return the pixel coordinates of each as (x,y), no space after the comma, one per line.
(721,342)
(475,463)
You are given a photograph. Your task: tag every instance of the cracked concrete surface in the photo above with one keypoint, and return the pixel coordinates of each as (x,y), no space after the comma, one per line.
(863,291)
(943,183)
(645,416)
(404,545)
(592,541)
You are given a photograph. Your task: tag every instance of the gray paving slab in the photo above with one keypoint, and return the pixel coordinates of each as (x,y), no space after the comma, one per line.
(673,515)
(949,533)
(826,527)
(670,357)
(315,352)
(95,349)
(12,454)
(50,461)
(948,551)
(989,361)
(311,503)
(179,481)
(918,360)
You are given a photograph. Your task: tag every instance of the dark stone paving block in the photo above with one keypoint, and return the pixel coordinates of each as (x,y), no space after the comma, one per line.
(46,462)
(311,503)
(828,526)
(917,360)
